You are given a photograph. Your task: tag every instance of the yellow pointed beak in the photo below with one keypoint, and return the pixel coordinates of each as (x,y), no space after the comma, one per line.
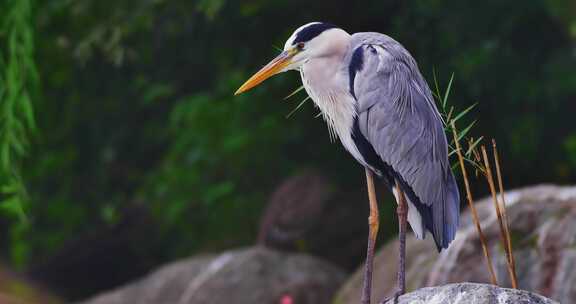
(273,67)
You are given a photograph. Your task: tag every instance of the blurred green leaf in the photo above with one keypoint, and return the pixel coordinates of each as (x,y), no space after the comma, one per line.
(464,112)
(570,147)
(210,7)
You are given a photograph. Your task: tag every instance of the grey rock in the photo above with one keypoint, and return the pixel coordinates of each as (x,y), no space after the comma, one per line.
(471,293)
(293,208)
(307,212)
(543,228)
(253,275)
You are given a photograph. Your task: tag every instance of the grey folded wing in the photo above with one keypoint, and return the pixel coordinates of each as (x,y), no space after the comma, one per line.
(398,118)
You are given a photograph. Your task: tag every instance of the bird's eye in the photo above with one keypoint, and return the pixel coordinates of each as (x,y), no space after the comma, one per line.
(300,46)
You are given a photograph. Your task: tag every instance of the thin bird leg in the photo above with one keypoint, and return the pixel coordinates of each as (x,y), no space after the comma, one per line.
(402,212)
(373,223)
(402,219)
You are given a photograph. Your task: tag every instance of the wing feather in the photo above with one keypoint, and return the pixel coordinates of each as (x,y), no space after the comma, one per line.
(398,117)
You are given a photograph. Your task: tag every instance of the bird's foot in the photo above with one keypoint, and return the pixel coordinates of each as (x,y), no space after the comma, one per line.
(395,296)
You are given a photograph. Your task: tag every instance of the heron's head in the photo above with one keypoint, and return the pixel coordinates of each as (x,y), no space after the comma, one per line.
(312,40)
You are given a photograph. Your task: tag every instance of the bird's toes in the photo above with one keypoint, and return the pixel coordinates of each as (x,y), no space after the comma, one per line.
(394,297)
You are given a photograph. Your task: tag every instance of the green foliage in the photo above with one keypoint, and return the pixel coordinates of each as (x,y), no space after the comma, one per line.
(451,120)
(208,174)
(570,148)
(18,78)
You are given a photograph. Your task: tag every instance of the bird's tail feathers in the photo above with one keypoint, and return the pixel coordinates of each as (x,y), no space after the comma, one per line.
(447,215)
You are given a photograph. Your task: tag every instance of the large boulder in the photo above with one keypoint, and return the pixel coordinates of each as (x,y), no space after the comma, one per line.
(471,293)
(296,204)
(543,230)
(254,275)
(307,213)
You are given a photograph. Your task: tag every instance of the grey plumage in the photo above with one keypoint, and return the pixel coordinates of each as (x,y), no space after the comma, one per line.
(374,98)
(397,116)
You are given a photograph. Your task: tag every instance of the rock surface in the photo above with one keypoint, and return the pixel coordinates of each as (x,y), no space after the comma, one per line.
(472,293)
(294,207)
(254,275)
(543,230)
(307,213)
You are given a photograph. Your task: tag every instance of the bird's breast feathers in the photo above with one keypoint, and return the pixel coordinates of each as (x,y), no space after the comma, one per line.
(329,93)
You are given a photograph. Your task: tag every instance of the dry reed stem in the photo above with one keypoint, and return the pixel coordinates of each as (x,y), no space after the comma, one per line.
(473,208)
(509,251)
(503,238)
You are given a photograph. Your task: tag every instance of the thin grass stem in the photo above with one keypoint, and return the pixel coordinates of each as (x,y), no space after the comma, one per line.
(473,208)
(509,251)
(490,180)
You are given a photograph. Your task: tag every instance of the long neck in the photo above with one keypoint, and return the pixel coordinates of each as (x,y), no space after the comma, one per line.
(328,90)
(327,85)
(326,81)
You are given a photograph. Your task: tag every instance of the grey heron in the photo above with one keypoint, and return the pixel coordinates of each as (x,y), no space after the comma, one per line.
(373,96)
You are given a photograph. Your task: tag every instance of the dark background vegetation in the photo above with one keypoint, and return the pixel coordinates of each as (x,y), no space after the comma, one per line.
(137,152)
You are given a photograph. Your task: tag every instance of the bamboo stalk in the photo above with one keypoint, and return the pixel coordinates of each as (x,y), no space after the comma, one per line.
(509,251)
(473,208)
(503,238)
